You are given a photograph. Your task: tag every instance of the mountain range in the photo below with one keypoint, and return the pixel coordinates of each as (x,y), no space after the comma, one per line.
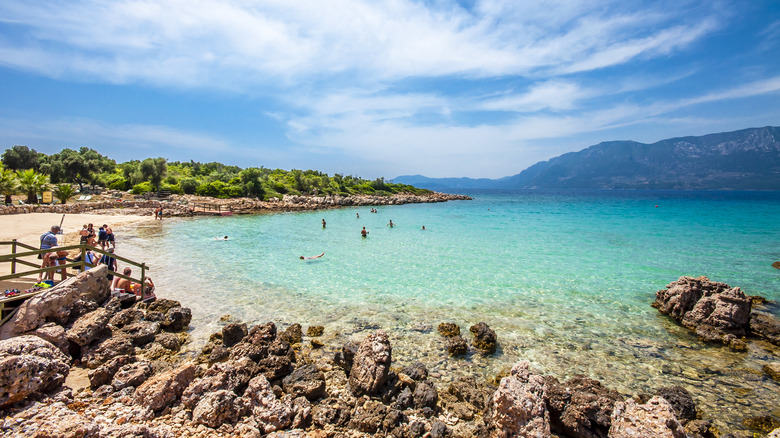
(748,159)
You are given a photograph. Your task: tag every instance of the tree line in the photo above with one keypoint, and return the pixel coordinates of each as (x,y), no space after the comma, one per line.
(30,173)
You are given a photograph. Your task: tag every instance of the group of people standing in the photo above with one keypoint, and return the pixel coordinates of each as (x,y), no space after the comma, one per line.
(105,236)
(107,242)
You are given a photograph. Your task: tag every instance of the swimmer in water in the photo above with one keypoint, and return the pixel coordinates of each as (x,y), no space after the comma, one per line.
(221,238)
(391,224)
(312,257)
(323,223)
(423,228)
(364,232)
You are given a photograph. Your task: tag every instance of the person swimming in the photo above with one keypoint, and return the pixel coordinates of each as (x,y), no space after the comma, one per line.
(423,228)
(364,232)
(312,257)
(391,224)
(221,238)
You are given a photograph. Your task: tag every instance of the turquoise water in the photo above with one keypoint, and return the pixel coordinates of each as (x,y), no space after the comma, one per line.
(564,278)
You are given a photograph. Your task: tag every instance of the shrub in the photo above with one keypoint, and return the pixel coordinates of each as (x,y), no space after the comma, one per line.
(144,187)
(63,192)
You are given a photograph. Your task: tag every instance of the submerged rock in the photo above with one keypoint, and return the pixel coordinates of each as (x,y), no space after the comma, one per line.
(449,329)
(766,326)
(456,346)
(773,370)
(293,334)
(484,338)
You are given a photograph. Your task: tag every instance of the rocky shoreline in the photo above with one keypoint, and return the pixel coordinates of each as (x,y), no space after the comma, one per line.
(258,381)
(190,205)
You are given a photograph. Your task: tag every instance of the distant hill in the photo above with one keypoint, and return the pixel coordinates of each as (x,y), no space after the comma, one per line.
(748,159)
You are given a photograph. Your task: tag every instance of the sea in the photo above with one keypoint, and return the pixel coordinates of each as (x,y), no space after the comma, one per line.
(564,278)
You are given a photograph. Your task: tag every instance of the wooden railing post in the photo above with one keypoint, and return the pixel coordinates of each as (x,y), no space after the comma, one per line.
(13,251)
(143,281)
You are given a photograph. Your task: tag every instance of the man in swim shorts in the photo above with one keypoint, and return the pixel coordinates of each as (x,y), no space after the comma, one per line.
(364,232)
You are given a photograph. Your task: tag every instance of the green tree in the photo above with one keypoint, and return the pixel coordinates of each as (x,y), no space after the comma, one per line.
(63,192)
(22,157)
(80,167)
(32,183)
(8,184)
(252,181)
(154,170)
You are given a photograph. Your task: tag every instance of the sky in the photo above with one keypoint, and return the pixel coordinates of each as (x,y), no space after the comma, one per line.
(482,89)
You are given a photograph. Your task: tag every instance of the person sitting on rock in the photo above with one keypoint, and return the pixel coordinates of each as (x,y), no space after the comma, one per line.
(123,284)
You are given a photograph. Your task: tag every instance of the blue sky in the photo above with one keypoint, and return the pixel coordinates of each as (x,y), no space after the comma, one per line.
(381,88)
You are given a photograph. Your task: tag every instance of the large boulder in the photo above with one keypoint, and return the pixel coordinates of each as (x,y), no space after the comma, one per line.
(104,373)
(162,390)
(717,312)
(652,419)
(217,408)
(132,374)
(29,365)
(55,334)
(371,364)
(233,333)
(580,407)
(101,351)
(56,304)
(517,408)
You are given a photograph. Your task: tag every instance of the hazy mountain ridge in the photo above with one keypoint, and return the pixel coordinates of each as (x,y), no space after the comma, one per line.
(747,159)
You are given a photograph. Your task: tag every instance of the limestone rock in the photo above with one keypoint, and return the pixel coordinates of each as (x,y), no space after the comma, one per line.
(331,411)
(417,371)
(717,312)
(100,352)
(242,349)
(53,333)
(465,397)
(270,412)
(162,390)
(368,416)
(105,373)
(177,319)
(217,408)
(346,356)
(55,304)
(29,365)
(126,316)
(484,338)
(580,406)
(233,333)
(89,327)
(232,376)
(517,408)
(132,374)
(371,364)
(262,335)
(775,433)
(306,381)
(652,419)
(141,332)
(168,341)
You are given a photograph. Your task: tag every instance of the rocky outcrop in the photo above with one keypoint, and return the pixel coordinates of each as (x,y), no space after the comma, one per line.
(517,408)
(652,419)
(231,376)
(717,312)
(267,410)
(29,365)
(484,338)
(371,364)
(57,304)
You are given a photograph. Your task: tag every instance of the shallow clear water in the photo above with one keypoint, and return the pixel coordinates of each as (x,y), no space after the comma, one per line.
(564,278)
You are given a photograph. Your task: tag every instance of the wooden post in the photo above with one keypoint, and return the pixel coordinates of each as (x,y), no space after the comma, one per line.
(13,261)
(143,281)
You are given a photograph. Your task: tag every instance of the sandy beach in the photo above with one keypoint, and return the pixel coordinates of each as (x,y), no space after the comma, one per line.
(28,228)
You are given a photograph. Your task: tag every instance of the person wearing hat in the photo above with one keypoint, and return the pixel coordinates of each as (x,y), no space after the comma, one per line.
(48,241)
